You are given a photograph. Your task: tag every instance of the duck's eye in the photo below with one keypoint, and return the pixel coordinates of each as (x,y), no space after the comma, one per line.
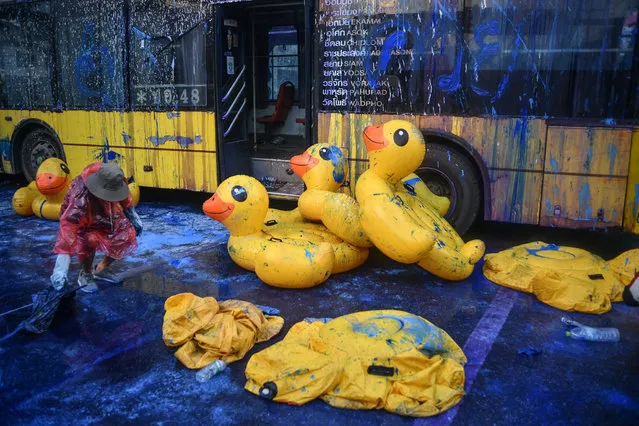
(400,137)
(325,154)
(65,169)
(239,193)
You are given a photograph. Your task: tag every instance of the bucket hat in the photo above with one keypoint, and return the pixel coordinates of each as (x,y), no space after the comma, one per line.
(108,183)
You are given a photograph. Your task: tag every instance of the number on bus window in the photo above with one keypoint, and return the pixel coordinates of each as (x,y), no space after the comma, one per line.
(195,96)
(184,97)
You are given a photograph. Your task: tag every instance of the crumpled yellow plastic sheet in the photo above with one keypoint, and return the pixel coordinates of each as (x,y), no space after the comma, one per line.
(206,330)
(385,359)
(567,278)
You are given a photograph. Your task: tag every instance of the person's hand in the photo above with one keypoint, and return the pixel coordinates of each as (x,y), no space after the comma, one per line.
(58,280)
(59,276)
(133,217)
(138,228)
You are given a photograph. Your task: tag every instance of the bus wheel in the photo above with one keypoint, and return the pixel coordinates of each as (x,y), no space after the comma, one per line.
(451,174)
(37,146)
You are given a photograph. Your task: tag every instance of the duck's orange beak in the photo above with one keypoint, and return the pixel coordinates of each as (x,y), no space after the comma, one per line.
(374,138)
(50,184)
(303,163)
(217,209)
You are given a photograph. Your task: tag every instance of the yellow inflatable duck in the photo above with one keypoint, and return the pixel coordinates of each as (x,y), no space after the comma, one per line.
(288,255)
(44,196)
(323,169)
(400,224)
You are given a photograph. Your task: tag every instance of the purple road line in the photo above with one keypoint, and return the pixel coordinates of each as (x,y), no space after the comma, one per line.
(477,348)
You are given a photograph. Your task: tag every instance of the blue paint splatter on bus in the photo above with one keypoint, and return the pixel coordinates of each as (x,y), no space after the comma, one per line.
(183,141)
(612,156)
(553,164)
(106,155)
(585,199)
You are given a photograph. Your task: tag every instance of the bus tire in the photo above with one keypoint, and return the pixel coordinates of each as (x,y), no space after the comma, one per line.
(448,172)
(37,146)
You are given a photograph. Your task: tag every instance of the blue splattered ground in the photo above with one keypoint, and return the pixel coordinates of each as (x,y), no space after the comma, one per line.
(103,360)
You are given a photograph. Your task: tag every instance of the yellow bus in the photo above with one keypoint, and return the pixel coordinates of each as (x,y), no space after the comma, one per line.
(529,107)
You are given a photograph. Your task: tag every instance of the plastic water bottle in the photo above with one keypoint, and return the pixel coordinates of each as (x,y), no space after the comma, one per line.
(593,334)
(210,370)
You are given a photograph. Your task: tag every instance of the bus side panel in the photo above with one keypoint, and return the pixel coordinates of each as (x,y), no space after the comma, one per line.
(631,211)
(585,178)
(179,149)
(512,149)
(6,132)
(160,149)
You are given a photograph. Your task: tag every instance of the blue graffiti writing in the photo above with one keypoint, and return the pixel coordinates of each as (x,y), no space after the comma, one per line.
(486,51)
(452,82)
(94,67)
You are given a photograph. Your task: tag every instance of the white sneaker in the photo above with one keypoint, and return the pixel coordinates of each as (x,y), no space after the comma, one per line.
(87,283)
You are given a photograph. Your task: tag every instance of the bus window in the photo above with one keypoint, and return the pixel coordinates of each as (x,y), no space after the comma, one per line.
(26,56)
(89,46)
(283,59)
(168,55)
(571,59)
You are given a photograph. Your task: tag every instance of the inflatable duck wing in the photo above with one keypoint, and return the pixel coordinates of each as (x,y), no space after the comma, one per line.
(282,216)
(44,196)
(414,186)
(289,255)
(401,224)
(566,278)
(323,169)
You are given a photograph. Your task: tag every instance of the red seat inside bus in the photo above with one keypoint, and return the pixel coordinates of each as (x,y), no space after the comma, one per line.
(283,105)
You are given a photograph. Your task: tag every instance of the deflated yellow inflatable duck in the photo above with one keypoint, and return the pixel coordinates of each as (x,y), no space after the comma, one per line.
(289,255)
(386,359)
(44,196)
(400,224)
(323,169)
(566,278)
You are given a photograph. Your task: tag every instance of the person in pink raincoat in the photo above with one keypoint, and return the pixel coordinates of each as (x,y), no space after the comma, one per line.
(97,214)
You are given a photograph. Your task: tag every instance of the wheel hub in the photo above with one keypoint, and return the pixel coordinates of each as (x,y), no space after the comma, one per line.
(42,150)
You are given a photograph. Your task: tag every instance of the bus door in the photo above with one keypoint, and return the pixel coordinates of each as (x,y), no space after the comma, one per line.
(232,98)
